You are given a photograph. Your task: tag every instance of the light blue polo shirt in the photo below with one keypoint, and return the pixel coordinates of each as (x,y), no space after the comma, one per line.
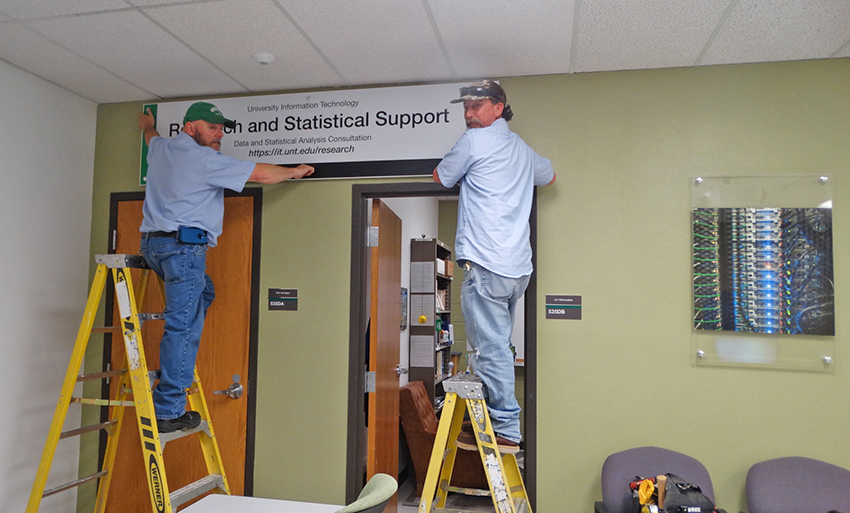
(497,172)
(186,183)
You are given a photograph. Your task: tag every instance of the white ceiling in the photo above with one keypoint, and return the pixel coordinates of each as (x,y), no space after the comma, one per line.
(126,50)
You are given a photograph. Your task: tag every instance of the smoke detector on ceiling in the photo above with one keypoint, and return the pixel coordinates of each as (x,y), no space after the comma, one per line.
(263,57)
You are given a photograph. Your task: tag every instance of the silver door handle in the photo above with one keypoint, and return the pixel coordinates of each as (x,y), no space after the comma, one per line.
(399,370)
(234,391)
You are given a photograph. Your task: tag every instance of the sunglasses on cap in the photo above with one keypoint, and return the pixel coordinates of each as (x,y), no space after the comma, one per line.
(479,91)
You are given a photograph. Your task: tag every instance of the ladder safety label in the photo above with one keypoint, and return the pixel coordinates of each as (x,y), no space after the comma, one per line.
(123,296)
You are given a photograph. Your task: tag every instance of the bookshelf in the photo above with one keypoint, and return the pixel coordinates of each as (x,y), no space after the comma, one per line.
(431,334)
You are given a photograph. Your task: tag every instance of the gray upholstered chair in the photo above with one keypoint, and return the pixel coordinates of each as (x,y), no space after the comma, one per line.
(623,467)
(374,496)
(796,484)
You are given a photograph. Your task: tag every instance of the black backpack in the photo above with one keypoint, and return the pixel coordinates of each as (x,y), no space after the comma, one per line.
(684,497)
(680,496)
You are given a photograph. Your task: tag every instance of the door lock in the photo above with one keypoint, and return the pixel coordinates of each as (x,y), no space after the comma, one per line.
(234,391)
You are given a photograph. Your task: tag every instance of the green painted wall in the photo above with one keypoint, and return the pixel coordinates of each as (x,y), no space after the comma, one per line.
(615,229)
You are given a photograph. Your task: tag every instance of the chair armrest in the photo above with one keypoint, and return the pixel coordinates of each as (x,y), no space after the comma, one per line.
(599,507)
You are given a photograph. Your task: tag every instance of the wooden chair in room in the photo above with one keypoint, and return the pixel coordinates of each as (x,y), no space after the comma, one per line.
(419,423)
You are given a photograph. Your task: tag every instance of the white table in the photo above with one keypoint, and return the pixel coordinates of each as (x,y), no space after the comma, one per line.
(218,503)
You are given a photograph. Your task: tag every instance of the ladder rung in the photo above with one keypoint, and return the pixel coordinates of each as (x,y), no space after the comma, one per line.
(72,484)
(477,492)
(106,329)
(175,435)
(100,375)
(196,489)
(87,429)
(101,402)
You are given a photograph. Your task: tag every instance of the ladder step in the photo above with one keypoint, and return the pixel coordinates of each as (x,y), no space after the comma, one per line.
(196,489)
(476,492)
(88,429)
(151,317)
(100,375)
(72,484)
(106,329)
(175,435)
(119,261)
(101,402)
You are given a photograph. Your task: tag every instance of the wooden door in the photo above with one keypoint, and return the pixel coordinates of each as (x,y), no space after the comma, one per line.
(224,352)
(385,321)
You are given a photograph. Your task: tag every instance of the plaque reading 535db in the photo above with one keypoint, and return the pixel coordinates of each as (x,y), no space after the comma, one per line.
(563,307)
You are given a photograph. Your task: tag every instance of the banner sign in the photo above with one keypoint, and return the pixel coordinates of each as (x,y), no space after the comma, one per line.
(344,134)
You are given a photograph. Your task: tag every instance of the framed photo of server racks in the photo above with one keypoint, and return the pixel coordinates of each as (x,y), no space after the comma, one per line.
(763,281)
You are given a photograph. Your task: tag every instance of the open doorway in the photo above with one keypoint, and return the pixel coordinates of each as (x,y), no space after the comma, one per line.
(358,325)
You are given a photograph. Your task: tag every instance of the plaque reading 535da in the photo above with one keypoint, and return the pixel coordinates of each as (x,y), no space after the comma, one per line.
(283,299)
(563,307)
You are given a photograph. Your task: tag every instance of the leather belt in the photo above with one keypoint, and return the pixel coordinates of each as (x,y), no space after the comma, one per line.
(172,235)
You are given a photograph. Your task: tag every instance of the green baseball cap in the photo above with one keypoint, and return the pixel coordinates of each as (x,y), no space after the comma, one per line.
(207,112)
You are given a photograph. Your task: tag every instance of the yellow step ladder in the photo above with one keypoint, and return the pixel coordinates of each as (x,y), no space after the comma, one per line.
(465,392)
(134,390)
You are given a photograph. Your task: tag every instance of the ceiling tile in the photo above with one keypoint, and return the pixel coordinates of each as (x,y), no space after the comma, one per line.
(373,42)
(140,52)
(643,34)
(149,3)
(116,50)
(499,38)
(252,26)
(36,54)
(29,9)
(759,31)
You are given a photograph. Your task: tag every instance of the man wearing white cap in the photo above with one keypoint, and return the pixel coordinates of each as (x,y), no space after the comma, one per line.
(183,215)
(497,172)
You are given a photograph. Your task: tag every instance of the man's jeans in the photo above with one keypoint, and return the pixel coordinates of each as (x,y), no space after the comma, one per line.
(188,293)
(488,302)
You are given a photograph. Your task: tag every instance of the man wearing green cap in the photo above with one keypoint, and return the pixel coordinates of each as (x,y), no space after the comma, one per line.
(183,215)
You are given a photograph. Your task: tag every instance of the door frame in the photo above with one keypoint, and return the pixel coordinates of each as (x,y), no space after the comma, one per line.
(253,335)
(356,440)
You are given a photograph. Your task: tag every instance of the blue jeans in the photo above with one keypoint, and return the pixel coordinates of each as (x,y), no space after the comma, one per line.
(188,293)
(488,302)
